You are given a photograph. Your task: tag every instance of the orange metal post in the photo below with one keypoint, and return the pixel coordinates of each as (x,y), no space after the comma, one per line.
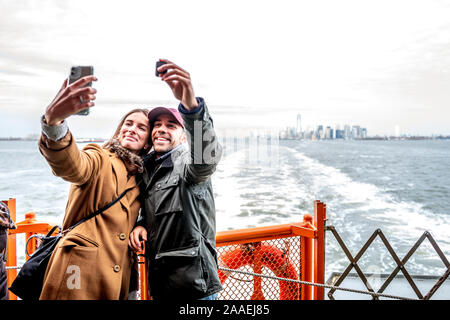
(143,273)
(11,256)
(306,245)
(319,248)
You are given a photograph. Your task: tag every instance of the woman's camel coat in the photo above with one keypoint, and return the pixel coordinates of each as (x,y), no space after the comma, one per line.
(93,260)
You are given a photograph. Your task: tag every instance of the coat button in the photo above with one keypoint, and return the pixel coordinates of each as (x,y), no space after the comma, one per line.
(158,185)
(116,268)
(122,236)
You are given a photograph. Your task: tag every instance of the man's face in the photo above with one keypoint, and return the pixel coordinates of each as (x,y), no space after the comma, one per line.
(167,133)
(134,132)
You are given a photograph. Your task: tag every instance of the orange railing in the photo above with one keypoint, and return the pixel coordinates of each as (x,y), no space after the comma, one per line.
(298,248)
(304,253)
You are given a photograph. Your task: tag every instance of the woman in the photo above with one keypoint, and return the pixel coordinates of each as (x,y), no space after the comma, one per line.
(93,261)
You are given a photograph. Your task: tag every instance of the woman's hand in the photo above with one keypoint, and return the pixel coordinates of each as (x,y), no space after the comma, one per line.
(70,100)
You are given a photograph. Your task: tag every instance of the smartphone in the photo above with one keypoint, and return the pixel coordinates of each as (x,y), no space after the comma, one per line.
(159,64)
(78,72)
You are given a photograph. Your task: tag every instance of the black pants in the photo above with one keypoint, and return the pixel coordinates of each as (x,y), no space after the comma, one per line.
(4,295)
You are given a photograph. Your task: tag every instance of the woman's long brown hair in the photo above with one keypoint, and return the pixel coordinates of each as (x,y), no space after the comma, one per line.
(116,133)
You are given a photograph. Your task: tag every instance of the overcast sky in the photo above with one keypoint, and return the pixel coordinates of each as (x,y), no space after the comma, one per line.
(377,64)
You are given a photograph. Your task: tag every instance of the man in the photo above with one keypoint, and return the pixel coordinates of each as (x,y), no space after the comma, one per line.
(5,224)
(178,214)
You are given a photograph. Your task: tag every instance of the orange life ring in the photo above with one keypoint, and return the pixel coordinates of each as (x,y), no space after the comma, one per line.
(270,257)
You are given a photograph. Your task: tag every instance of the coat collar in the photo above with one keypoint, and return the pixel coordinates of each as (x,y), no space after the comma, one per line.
(151,164)
(120,169)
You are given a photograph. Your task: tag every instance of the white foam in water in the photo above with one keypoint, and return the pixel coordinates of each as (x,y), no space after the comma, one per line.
(227,200)
(247,196)
(357,209)
(373,204)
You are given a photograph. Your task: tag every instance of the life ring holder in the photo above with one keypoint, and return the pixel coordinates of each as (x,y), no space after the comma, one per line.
(270,257)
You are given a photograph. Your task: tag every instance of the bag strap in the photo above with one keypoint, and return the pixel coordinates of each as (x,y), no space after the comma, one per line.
(48,234)
(96,212)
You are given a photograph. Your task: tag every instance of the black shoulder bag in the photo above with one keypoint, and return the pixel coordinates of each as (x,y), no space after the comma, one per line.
(28,283)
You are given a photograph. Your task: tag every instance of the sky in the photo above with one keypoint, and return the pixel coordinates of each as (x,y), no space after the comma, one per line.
(383,65)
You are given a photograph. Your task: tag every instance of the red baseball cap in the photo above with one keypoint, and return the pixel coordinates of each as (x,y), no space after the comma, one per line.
(156,112)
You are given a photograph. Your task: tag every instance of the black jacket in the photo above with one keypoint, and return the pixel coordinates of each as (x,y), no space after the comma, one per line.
(179,213)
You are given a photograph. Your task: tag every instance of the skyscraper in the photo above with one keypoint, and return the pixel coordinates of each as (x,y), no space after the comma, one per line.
(299,125)
(348,133)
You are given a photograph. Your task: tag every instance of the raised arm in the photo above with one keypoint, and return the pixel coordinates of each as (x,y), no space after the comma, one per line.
(57,144)
(205,151)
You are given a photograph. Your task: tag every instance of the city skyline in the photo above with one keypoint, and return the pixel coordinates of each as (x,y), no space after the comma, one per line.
(344,131)
(383,65)
(321,132)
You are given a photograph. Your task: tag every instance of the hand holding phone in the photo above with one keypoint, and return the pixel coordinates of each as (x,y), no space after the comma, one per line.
(76,73)
(69,100)
(179,81)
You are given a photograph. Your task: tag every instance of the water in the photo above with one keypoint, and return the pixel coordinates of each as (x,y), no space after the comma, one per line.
(400,187)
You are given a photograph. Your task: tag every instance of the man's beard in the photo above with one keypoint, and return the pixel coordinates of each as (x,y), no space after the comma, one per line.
(126,155)
(161,152)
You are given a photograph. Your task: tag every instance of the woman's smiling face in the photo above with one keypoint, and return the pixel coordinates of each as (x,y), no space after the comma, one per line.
(134,132)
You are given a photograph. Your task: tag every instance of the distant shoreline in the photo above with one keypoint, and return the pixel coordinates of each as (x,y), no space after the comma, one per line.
(376,138)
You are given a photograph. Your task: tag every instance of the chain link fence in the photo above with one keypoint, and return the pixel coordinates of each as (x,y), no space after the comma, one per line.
(277,258)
